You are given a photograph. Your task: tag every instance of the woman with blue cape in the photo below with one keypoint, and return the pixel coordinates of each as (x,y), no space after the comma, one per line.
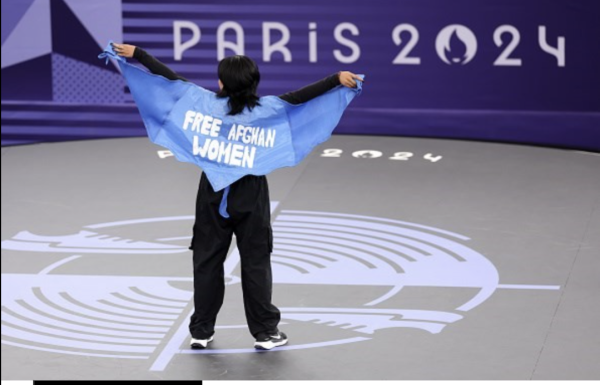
(248,209)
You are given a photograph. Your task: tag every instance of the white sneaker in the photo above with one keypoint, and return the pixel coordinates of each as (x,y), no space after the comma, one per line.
(200,344)
(268,342)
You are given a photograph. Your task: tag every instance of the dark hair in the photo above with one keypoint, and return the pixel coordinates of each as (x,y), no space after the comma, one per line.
(240,77)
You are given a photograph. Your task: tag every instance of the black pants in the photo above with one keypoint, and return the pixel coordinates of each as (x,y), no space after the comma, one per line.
(249,211)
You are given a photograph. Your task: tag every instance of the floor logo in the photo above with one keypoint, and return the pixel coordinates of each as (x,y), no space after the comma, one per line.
(141,317)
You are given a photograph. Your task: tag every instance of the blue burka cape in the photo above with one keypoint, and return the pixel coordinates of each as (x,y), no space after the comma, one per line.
(193,123)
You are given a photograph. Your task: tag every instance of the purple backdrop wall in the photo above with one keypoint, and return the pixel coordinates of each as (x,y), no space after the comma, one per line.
(502,70)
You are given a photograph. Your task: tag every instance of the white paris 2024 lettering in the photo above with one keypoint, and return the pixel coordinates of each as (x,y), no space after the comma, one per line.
(404,35)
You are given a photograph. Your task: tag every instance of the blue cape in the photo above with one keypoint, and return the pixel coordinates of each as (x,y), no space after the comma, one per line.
(193,123)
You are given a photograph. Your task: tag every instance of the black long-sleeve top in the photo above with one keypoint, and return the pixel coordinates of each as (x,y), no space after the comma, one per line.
(302,95)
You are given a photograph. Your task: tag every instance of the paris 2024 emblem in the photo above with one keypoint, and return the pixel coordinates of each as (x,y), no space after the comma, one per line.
(145,317)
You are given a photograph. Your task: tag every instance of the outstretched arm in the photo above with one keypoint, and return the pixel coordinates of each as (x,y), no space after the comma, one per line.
(315,89)
(153,64)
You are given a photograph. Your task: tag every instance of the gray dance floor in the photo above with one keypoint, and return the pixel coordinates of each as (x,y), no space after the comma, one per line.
(394,258)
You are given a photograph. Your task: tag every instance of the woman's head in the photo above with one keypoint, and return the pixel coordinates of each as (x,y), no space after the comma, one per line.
(239,77)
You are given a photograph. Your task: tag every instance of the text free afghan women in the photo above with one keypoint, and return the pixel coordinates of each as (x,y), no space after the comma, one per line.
(234,154)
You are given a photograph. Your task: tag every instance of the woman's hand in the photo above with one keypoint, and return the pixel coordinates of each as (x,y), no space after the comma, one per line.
(348,79)
(125,50)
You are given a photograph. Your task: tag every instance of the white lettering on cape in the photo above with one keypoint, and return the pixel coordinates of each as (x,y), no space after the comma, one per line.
(239,149)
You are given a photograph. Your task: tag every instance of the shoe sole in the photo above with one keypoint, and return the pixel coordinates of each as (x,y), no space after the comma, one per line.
(198,346)
(269,345)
